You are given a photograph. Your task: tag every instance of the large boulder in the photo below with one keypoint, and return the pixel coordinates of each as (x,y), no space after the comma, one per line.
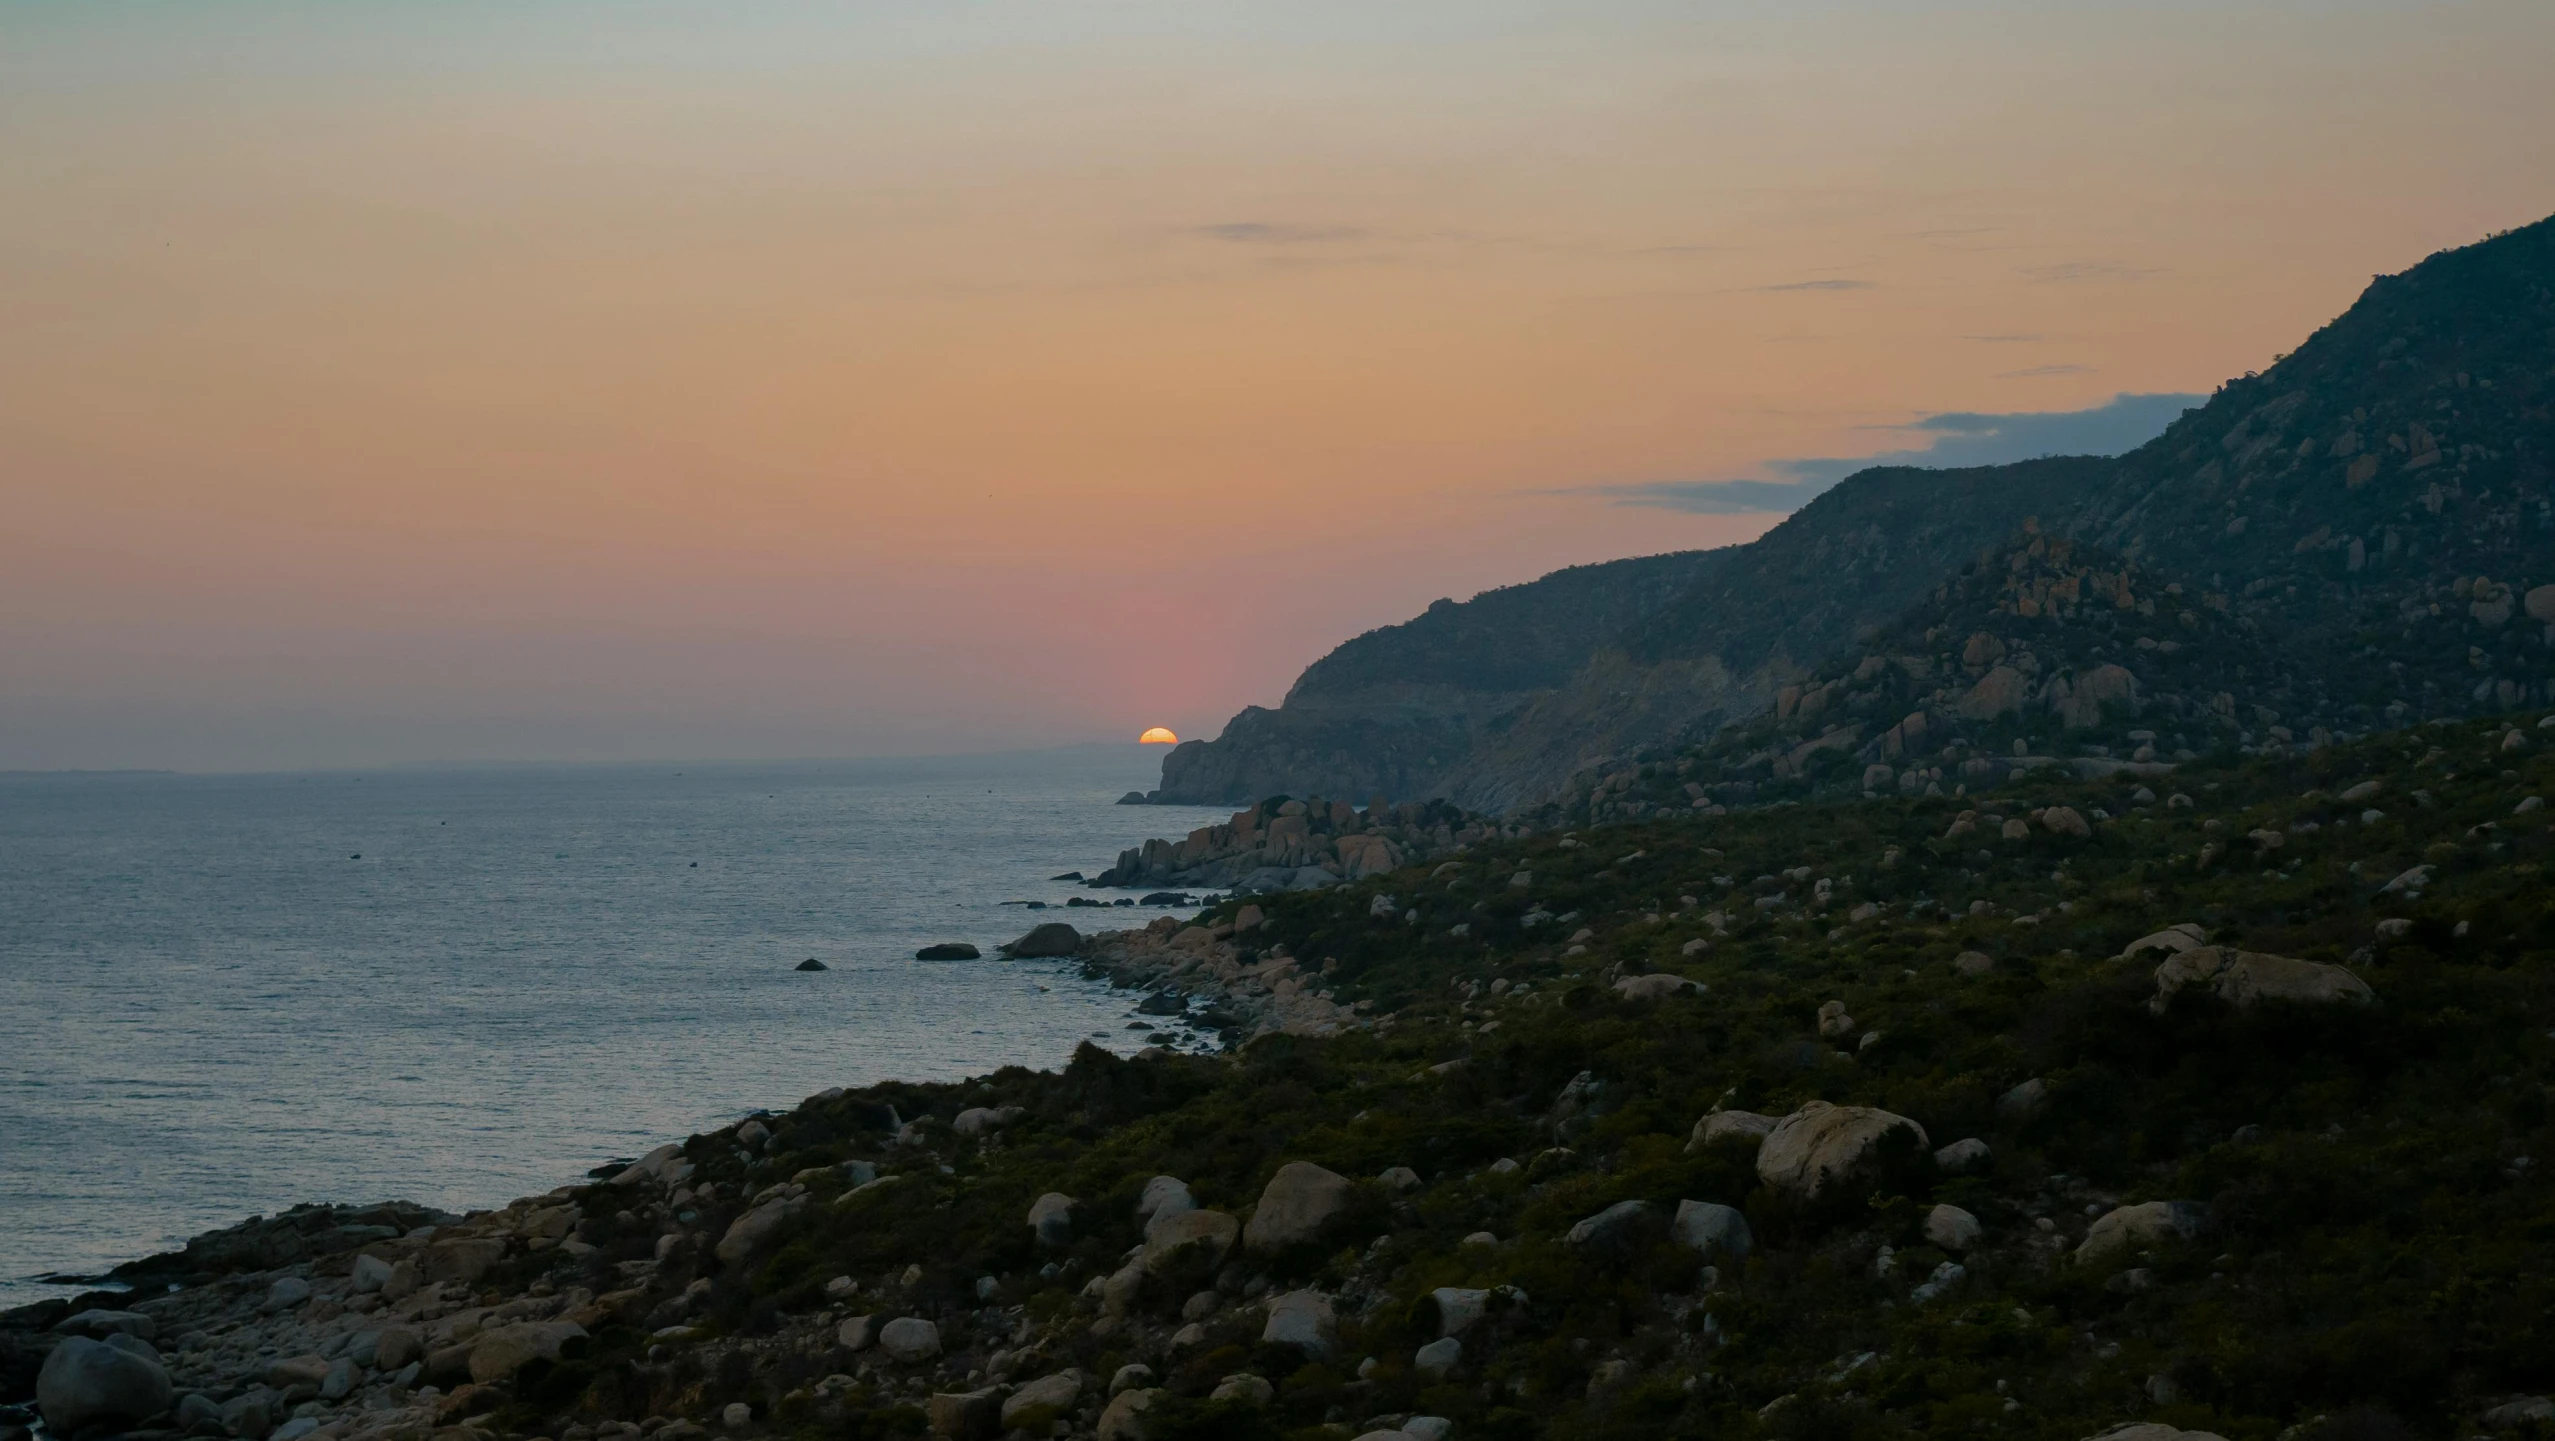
(97,1324)
(1048,1397)
(1711,1228)
(2242,978)
(504,1351)
(1951,1229)
(2145,1224)
(1189,1242)
(1819,1146)
(1164,1196)
(1298,1202)
(1458,1307)
(1051,1218)
(909,1339)
(1130,1415)
(463,1259)
(753,1231)
(1303,1320)
(1614,1228)
(84,1382)
(1657,986)
(1052,939)
(966,1415)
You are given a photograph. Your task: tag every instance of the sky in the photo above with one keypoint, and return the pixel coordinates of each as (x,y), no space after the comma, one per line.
(451,381)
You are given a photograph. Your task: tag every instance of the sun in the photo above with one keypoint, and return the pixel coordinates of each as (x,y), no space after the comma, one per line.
(1158,736)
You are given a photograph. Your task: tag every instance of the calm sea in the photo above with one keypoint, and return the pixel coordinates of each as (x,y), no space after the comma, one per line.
(220,995)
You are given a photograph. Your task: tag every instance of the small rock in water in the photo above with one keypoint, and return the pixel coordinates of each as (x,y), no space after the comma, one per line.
(948,951)
(1067,876)
(812,964)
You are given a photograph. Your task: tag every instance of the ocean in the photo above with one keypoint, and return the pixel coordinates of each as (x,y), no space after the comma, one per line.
(221,995)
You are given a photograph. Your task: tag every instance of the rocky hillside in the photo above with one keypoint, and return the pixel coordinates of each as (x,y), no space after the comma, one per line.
(1389,712)
(2051,654)
(1851,560)
(2375,510)
(2206,1104)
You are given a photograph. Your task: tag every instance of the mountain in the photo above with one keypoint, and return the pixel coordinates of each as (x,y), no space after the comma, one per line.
(1392,710)
(2373,515)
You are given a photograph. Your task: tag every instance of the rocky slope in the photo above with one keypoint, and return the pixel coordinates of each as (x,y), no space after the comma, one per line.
(1284,844)
(2203,1103)
(1390,711)
(2376,509)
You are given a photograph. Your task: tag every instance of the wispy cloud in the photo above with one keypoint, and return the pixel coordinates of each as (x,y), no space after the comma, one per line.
(1952,438)
(1818,285)
(2086,272)
(2036,372)
(1266,232)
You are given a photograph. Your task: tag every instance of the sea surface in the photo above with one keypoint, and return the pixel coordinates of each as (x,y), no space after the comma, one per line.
(221,995)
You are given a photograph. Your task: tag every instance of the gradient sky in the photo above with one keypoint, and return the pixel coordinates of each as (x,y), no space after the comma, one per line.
(395,381)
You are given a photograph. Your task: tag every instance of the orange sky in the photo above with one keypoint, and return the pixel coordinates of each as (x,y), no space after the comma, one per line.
(597,381)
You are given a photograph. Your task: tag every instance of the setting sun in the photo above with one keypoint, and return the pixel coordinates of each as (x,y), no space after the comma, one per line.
(1158,736)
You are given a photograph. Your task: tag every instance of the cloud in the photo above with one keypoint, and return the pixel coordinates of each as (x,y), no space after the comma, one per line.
(1263,232)
(1817,285)
(2037,371)
(1953,438)
(2085,272)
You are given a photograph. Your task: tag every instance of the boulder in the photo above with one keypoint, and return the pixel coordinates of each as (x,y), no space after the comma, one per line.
(1458,1307)
(1962,1156)
(1052,1394)
(1712,1228)
(2066,821)
(370,1274)
(1188,1241)
(1655,987)
(2022,1102)
(1973,963)
(966,1415)
(84,1382)
(1833,1020)
(1246,1388)
(1134,1376)
(1746,1127)
(2001,690)
(1129,1416)
(309,1369)
(502,1352)
(2242,978)
(1612,1228)
(1399,1178)
(953,951)
(1303,1320)
(395,1347)
(857,1333)
(1052,939)
(463,1259)
(982,1120)
(811,964)
(286,1293)
(753,1231)
(1298,1202)
(1439,1358)
(342,1379)
(2173,940)
(1051,1217)
(2145,1224)
(1162,1197)
(909,1339)
(1821,1145)
(1950,1228)
(251,1414)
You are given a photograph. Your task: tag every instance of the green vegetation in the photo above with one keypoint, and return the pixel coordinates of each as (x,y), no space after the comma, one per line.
(2373,1232)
